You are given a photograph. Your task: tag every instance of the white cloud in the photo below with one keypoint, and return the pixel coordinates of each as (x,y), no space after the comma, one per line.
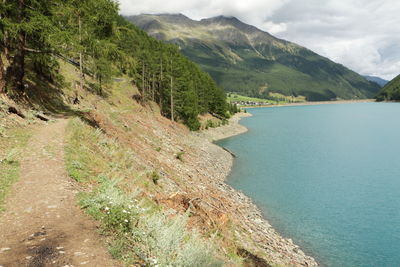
(361,34)
(274,28)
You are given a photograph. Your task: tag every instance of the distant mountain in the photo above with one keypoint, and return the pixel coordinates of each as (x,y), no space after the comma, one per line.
(246,60)
(377,80)
(391,91)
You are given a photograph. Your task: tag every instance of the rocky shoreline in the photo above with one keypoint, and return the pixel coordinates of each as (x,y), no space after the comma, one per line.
(257,234)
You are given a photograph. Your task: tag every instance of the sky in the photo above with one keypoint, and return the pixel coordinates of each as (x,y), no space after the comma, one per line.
(363,35)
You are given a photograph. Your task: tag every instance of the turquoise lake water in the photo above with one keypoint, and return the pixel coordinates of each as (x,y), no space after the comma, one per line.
(327,176)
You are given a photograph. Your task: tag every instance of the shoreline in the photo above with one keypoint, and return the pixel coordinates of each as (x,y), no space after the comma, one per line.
(264,238)
(316,103)
(234,128)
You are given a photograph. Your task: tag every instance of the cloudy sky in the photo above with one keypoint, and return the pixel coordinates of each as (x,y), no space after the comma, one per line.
(363,35)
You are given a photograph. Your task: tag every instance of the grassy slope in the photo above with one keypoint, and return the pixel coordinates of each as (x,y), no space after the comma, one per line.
(138,229)
(13,138)
(391,91)
(275,99)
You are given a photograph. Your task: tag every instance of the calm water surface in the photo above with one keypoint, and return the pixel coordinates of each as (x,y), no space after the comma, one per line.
(327,176)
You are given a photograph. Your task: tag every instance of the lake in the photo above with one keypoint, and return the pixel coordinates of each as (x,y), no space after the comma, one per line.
(327,176)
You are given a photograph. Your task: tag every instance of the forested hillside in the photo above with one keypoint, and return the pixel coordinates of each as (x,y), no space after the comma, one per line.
(251,62)
(36,35)
(391,91)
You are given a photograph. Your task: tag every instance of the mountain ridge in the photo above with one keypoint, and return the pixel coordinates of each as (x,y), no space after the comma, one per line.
(391,91)
(376,79)
(250,61)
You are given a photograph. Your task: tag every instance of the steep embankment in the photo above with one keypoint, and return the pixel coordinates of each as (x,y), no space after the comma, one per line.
(391,91)
(247,60)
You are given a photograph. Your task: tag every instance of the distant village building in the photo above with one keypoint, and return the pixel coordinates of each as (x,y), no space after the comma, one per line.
(250,103)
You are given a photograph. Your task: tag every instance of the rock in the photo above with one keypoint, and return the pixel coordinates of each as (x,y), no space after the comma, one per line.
(4,250)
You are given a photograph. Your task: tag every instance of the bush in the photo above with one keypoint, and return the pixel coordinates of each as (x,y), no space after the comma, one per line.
(179,155)
(155,177)
(209,124)
(193,124)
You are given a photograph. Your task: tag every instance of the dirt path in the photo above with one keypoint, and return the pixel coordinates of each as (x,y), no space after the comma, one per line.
(42,224)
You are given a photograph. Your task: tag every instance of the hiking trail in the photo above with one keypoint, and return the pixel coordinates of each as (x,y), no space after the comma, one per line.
(42,224)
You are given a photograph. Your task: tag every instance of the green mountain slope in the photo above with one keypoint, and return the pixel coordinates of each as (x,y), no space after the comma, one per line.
(391,91)
(246,60)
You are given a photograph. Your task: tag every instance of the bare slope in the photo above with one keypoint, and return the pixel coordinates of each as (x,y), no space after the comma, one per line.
(247,60)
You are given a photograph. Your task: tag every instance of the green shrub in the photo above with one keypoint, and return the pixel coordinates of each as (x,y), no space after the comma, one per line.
(155,177)
(179,155)
(209,124)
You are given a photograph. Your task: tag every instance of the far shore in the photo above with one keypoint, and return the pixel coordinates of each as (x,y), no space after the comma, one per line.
(314,103)
(233,128)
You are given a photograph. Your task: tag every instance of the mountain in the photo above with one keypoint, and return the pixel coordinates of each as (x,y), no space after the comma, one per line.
(377,80)
(391,91)
(249,61)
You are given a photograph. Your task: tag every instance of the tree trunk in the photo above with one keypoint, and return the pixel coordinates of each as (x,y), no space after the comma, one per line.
(172,95)
(81,76)
(172,99)
(18,64)
(2,75)
(153,89)
(160,85)
(143,83)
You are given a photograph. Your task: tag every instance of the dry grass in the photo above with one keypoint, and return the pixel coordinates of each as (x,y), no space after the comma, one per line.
(12,142)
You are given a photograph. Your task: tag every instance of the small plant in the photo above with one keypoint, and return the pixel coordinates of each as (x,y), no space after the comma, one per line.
(179,155)
(158,149)
(155,177)
(209,124)
(2,132)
